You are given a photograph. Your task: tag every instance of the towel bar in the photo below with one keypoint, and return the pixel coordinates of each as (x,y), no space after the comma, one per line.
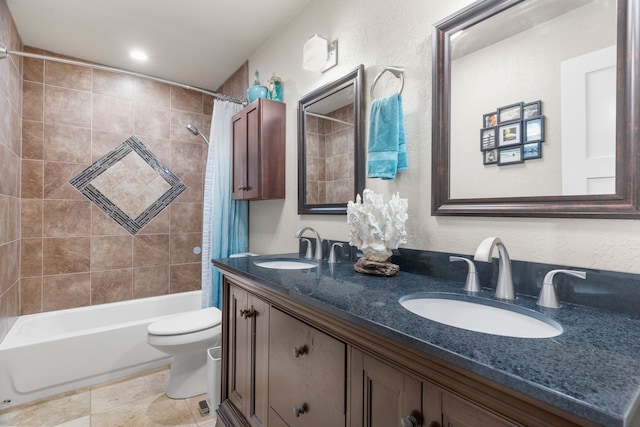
(396,71)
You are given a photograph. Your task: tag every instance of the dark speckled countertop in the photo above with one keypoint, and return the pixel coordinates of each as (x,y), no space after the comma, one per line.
(592,369)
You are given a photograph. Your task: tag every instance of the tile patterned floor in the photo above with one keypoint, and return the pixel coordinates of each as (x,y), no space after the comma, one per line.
(136,401)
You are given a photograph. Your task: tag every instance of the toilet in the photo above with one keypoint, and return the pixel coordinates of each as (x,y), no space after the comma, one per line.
(187,336)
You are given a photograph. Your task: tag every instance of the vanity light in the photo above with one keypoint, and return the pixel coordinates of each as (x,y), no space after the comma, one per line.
(319,55)
(138,55)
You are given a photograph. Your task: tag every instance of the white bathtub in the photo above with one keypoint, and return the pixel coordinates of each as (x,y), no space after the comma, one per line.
(49,353)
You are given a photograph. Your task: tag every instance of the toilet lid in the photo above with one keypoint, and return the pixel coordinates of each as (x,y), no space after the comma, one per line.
(187,322)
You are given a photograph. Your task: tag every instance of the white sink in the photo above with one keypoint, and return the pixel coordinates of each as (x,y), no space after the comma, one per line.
(480,315)
(286,264)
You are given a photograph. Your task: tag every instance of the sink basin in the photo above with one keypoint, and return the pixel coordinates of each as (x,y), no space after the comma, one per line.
(481,315)
(288,264)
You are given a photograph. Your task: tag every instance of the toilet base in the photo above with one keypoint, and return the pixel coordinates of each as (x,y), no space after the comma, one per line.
(188,376)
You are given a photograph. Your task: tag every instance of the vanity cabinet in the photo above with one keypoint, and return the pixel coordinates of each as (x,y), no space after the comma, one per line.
(259,151)
(247,355)
(382,395)
(306,374)
(290,364)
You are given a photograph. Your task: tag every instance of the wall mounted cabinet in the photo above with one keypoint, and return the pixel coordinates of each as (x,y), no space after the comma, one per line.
(259,151)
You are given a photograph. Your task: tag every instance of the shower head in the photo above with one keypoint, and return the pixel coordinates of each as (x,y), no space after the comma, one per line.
(194,130)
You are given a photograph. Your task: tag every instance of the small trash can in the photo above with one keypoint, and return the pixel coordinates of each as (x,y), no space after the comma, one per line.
(214,360)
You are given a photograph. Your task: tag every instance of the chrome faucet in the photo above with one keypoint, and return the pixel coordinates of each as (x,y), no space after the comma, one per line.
(299,234)
(547,296)
(504,287)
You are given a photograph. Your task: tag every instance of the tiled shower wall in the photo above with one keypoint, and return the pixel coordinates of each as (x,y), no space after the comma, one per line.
(330,158)
(10,140)
(73,254)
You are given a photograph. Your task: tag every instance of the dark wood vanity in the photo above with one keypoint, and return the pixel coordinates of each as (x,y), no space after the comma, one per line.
(290,363)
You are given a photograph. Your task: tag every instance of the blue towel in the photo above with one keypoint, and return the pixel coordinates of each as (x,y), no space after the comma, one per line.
(387,144)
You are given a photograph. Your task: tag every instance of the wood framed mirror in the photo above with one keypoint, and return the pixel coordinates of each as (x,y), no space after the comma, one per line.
(463,181)
(331,169)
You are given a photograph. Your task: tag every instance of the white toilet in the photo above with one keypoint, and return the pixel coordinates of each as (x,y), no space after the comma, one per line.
(187,336)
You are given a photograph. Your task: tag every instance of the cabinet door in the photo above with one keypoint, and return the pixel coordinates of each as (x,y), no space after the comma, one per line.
(381,395)
(239,156)
(253,160)
(457,412)
(248,355)
(307,379)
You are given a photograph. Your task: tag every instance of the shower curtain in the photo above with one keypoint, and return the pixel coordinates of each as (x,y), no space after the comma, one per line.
(225,221)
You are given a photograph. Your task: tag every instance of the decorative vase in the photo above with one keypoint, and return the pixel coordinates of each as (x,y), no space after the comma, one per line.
(256,91)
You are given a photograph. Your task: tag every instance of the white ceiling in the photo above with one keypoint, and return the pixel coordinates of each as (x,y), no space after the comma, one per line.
(195,42)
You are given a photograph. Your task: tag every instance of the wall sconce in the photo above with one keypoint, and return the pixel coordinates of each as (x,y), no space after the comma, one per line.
(319,55)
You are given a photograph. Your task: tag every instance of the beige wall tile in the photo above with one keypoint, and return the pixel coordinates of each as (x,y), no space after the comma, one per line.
(160,224)
(151,120)
(31,295)
(32,101)
(113,84)
(112,114)
(102,142)
(31,257)
(31,218)
(186,217)
(9,172)
(182,245)
(186,157)
(150,281)
(187,100)
(151,92)
(32,179)
(179,122)
(66,255)
(67,144)
(10,271)
(33,70)
(67,107)
(32,140)
(111,252)
(66,218)
(150,250)
(195,186)
(56,180)
(111,286)
(66,75)
(185,277)
(66,291)
(103,225)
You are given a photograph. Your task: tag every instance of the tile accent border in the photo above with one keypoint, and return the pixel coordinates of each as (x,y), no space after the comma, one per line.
(82,182)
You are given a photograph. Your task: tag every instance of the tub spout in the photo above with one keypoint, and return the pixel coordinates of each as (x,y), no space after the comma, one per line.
(504,287)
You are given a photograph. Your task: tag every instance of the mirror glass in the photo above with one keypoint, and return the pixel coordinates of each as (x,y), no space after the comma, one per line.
(530,109)
(330,146)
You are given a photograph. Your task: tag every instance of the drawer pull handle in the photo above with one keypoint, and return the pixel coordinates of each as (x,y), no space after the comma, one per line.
(299,351)
(408,421)
(299,410)
(247,313)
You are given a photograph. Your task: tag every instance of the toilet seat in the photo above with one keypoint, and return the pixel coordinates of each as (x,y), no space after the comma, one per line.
(187,322)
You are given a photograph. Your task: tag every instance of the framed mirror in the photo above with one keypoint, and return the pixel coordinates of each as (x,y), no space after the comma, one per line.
(535,109)
(331,169)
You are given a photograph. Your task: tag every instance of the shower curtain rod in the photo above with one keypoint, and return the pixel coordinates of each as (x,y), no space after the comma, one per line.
(4,52)
(333,119)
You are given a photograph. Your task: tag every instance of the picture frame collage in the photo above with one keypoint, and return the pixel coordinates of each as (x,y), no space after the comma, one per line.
(512,134)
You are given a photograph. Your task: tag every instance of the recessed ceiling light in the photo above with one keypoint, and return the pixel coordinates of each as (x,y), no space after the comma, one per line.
(138,55)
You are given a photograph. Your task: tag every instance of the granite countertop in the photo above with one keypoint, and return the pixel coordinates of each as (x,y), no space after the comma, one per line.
(592,369)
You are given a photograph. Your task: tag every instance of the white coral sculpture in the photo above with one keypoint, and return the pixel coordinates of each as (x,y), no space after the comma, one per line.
(376,227)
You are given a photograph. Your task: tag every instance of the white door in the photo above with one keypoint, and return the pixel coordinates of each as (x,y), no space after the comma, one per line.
(589,123)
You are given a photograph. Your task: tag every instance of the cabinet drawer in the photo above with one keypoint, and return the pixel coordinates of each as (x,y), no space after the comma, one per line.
(307,373)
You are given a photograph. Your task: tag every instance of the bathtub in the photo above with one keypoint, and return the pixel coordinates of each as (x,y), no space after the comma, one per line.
(49,353)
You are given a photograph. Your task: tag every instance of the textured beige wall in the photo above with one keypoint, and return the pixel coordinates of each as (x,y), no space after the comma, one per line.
(377,35)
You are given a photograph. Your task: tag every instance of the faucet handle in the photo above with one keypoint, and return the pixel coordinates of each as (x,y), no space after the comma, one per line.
(547,296)
(332,254)
(309,253)
(472,284)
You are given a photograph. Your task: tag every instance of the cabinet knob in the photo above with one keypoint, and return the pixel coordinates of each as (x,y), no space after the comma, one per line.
(298,410)
(247,313)
(408,421)
(299,351)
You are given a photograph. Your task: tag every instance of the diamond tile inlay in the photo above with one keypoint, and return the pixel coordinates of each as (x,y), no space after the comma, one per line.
(129,184)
